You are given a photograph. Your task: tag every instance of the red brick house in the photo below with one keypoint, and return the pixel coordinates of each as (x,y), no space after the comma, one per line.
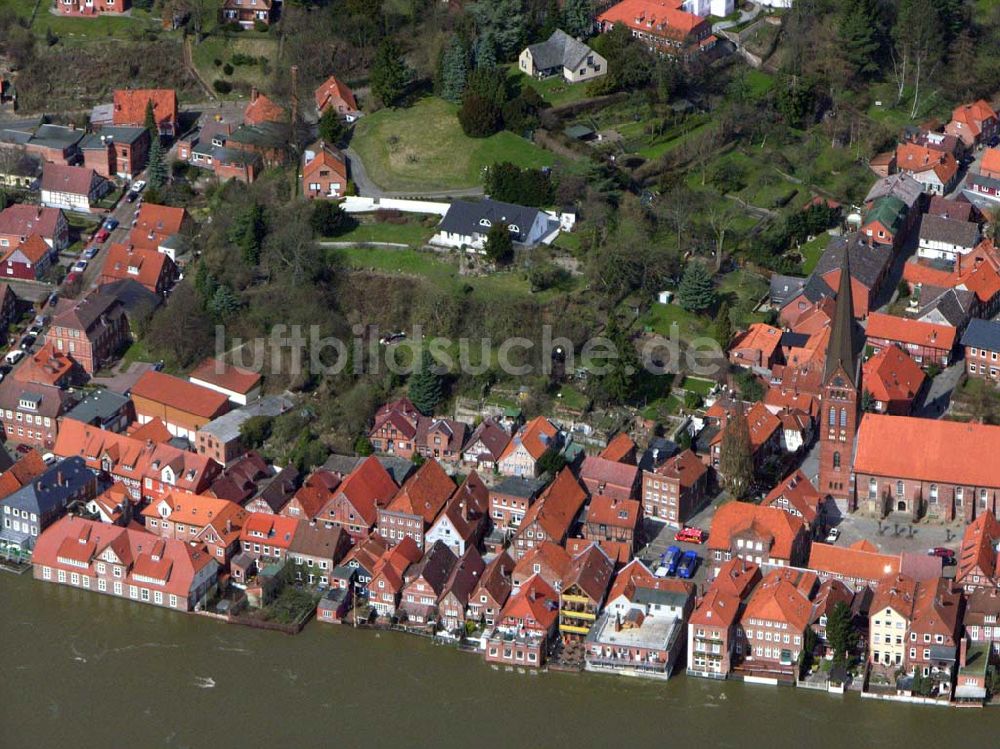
(357,499)
(424,584)
(973,123)
(757,347)
(858,566)
(458,591)
(492,590)
(932,639)
(928,343)
(981,341)
(674,490)
(28,260)
(797,496)
(21,220)
(773,624)
(324,172)
(116,151)
(153,270)
(193,518)
(615,522)
(552,517)
(550,561)
(309,500)
(942,469)
(527,623)
(91,8)
(485,446)
(977,556)
(129,109)
(248,13)
(416,505)
(763,535)
(91,331)
(30,413)
(155,224)
(333,93)
(387,581)
(262,109)
(603,477)
(662,25)
(892,381)
(395,429)
(765,435)
(510,500)
(268,537)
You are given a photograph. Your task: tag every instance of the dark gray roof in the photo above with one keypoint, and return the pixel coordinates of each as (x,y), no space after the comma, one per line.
(514,486)
(112,134)
(659,451)
(558,51)
(982,334)
(135,298)
(333,599)
(845,341)
(901,186)
(939,229)
(227,427)
(98,407)
(18,132)
(867,263)
(53,489)
(661,597)
(465,217)
(788,338)
(954,305)
(281,488)
(342,464)
(785,288)
(56,136)
(816,288)
(399,469)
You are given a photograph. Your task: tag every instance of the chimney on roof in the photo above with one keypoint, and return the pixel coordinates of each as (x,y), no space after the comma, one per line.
(60,479)
(253,94)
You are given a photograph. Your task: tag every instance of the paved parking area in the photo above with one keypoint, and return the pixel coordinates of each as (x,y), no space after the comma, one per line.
(661,536)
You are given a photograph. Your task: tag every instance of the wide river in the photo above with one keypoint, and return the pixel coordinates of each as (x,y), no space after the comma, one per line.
(84,670)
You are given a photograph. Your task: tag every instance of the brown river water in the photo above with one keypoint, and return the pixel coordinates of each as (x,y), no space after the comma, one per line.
(83,670)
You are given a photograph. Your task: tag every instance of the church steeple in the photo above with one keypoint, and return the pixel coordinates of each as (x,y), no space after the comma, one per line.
(841,353)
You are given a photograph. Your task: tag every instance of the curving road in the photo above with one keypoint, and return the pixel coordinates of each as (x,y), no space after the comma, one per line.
(745,15)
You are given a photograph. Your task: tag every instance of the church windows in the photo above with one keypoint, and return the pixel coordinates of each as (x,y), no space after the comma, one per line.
(843,418)
(836,461)
(833,417)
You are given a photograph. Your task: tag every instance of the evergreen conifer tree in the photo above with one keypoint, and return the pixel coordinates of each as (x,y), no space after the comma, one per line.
(696,292)
(425,387)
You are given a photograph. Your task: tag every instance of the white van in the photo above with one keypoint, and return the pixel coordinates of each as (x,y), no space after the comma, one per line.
(13,357)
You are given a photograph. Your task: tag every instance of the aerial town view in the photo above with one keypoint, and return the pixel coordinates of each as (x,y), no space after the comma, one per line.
(374,369)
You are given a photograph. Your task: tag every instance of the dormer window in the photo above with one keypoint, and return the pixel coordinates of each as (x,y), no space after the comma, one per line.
(485,222)
(514,229)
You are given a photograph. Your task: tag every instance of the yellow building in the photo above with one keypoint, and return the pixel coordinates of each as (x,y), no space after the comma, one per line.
(889,620)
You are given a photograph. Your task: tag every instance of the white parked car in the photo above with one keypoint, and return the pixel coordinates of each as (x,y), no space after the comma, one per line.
(833,535)
(14,356)
(79,266)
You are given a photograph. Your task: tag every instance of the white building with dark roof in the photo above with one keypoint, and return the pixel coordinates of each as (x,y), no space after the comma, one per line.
(467,223)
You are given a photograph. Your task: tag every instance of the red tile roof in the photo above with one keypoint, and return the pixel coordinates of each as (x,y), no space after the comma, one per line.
(425,493)
(614,512)
(603,476)
(265,528)
(143,266)
(977,554)
(897,592)
(197,510)
(33,248)
(155,223)
(591,571)
(904,330)
(24,219)
(180,394)
(933,450)
(716,609)
(891,375)
(549,560)
(368,487)
(778,599)
(262,109)
(734,517)
(130,106)
(737,577)
(536,604)
(916,159)
(760,338)
(153,430)
(973,115)
(325,157)
(685,467)
(621,449)
(46,366)
(29,467)
(226,376)
(990,165)
(657,17)
(798,490)
(848,563)
(537,436)
(332,90)
(558,506)
(76,180)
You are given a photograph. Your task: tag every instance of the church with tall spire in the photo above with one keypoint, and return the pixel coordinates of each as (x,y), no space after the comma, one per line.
(840,399)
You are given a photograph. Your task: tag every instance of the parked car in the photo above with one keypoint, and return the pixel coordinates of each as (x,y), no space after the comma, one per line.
(691,535)
(14,356)
(941,551)
(130,197)
(688,565)
(49,458)
(392,338)
(671,558)
(53,298)
(79,266)
(28,341)
(111,224)
(102,236)
(832,536)
(35,330)
(138,186)
(91,252)
(71,278)
(23,449)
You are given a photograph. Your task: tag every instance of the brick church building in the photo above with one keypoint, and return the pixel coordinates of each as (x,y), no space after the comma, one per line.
(840,400)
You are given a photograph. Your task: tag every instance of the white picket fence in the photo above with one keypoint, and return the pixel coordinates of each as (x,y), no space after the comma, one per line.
(353,204)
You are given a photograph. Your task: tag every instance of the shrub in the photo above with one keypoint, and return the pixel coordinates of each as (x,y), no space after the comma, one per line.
(227,69)
(221,86)
(260,27)
(217,62)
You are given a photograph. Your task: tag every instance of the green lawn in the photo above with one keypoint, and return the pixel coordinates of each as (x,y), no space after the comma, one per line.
(441,270)
(413,233)
(811,252)
(572,398)
(218,48)
(759,83)
(422,148)
(698,385)
(555,90)
(660,318)
(70,29)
